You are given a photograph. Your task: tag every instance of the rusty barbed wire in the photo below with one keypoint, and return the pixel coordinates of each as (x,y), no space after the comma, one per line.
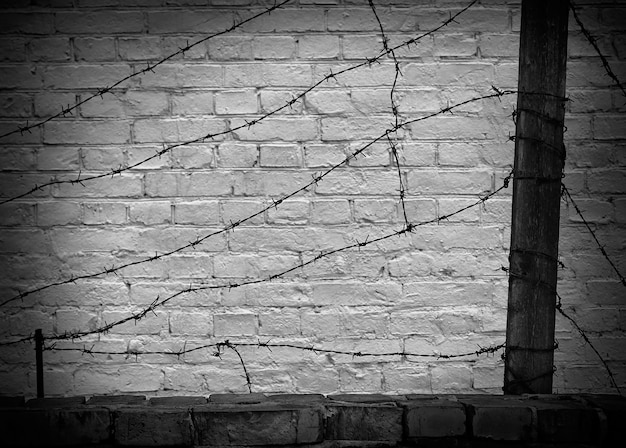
(594,44)
(159,302)
(568,197)
(150,68)
(248,124)
(273,204)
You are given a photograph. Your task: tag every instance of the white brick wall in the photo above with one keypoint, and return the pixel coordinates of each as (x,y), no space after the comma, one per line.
(439,290)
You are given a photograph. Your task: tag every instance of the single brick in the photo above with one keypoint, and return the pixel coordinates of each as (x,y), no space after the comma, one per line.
(363,422)
(101,22)
(318,47)
(280,156)
(197,212)
(502,422)
(236,102)
(328,212)
(49,49)
(87,133)
(235,324)
(435,418)
(94,48)
(273,47)
(150,213)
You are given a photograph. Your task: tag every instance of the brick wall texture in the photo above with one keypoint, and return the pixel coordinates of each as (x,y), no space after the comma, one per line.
(438,290)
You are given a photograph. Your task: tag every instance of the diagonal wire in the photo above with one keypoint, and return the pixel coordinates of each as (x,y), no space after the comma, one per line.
(159,302)
(594,44)
(593,234)
(150,68)
(275,203)
(368,62)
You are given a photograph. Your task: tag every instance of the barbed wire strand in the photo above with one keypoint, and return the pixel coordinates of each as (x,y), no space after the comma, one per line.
(594,44)
(316,178)
(394,110)
(583,334)
(269,345)
(569,198)
(159,302)
(150,68)
(248,124)
(234,346)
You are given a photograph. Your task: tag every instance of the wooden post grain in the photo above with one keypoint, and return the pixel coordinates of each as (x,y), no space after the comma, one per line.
(538,166)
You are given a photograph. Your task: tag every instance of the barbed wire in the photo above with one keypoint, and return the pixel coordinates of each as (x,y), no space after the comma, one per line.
(150,68)
(159,302)
(568,197)
(247,125)
(594,44)
(394,110)
(219,347)
(316,178)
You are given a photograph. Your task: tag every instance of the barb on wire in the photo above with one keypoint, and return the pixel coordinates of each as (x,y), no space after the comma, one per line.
(274,203)
(149,68)
(594,44)
(593,234)
(394,111)
(246,125)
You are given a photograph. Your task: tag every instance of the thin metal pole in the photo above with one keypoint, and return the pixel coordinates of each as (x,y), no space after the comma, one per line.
(39,360)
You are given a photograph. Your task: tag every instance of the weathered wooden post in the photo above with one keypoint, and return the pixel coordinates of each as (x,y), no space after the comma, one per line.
(538,166)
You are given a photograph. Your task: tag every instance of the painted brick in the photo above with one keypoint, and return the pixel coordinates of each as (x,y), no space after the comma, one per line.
(190,323)
(236,102)
(280,156)
(176,75)
(230,48)
(235,324)
(27,23)
(105,22)
(12,49)
(49,49)
(330,212)
(197,212)
(280,102)
(433,182)
(92,133)
(273,47)
(58,158)
(276,129)
(318,47)
(150,213)
(94,49)
(104,213)
(59,214)
(193,103)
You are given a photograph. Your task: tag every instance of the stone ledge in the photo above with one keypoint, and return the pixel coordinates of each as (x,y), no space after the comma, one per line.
(314,420)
